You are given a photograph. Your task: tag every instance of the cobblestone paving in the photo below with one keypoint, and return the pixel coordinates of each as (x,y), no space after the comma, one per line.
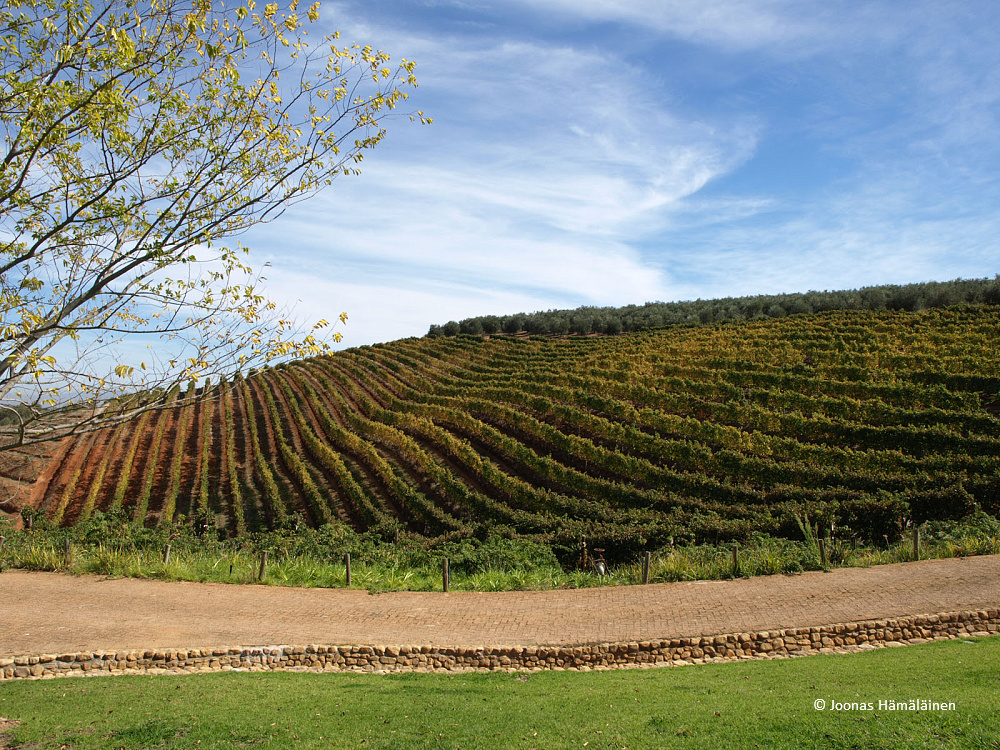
(53,613)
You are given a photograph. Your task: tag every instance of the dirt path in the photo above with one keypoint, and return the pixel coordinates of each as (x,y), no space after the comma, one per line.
(55,613)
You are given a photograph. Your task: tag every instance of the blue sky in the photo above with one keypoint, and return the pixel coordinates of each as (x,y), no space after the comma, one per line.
(597,152)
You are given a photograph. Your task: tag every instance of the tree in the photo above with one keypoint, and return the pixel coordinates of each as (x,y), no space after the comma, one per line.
(491,324)
(611,325)
(536,324)
(513,323)
(137,136)
(581,323)
(559,324)
(471,326)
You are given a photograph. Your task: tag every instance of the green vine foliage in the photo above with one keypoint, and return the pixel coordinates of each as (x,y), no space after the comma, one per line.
(864,423)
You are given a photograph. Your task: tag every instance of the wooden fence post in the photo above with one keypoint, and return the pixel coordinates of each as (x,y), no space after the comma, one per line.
(645,566)
(347,565)
(263,564)
(68,552)
(166,555)
(916,542)
(822,552)
(736,560)
(445,574)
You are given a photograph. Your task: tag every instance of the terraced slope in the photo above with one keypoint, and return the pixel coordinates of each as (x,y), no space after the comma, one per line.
(860,419)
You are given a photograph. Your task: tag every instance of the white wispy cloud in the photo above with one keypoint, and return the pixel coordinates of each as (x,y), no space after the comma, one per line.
(879,233)
(528,196)
(404,310)
(564,172)
(734,23)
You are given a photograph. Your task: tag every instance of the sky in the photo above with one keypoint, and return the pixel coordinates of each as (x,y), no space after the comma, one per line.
(606,152)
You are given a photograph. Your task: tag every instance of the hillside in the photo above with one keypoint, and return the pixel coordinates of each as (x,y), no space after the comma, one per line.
(860,419)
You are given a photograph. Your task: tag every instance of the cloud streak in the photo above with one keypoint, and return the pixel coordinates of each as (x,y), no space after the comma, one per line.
(731,23)
(734,148)
(540,207)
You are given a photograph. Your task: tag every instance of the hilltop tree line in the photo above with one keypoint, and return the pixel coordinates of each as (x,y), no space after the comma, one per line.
(614,320)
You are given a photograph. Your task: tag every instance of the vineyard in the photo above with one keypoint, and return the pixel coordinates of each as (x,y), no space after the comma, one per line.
(861,421)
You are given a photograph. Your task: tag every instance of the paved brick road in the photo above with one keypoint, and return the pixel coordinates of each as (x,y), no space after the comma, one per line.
(54,613)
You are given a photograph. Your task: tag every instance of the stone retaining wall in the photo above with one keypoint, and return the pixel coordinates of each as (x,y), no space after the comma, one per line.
(841,637)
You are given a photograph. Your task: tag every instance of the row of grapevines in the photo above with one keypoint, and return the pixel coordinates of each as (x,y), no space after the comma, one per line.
(125,476)
(273,500)
(237,512)
(332,462)
(206,413)
(411,499)
(384,433)
(69,489)
(291,458)
(96,483)
(177,458)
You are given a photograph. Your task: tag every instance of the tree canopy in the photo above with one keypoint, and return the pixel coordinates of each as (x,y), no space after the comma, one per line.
(137,137)
(613,320)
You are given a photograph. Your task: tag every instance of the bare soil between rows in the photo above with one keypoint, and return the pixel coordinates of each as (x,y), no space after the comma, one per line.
(56,613)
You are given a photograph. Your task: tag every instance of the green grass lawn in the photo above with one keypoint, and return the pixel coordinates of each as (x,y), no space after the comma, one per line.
(767,704)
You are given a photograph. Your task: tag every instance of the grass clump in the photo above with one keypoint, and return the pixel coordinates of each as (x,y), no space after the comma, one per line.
(113,545)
